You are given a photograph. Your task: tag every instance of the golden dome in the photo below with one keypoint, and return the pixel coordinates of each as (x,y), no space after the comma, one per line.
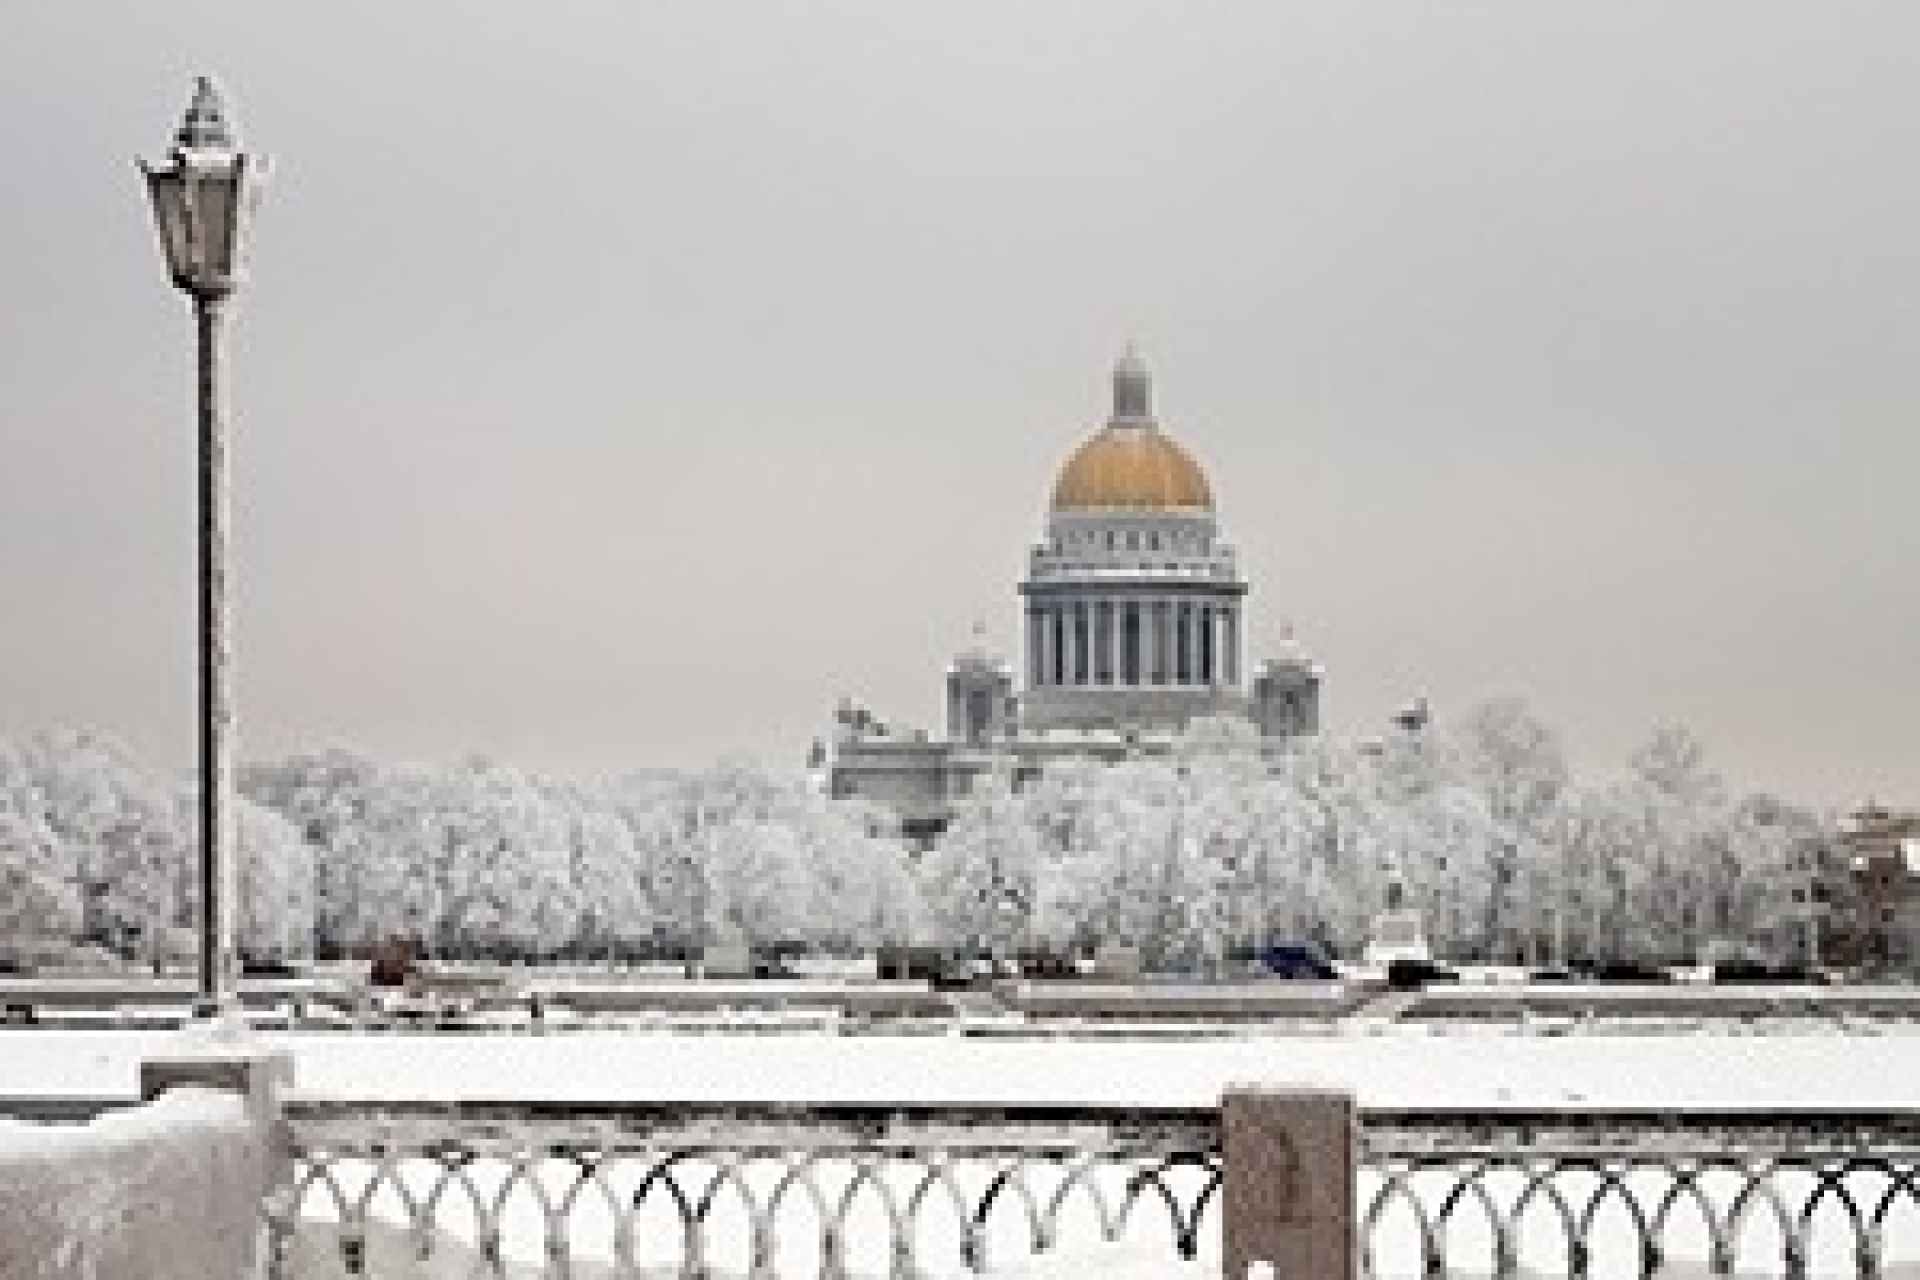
(1134,467)
(1129,464)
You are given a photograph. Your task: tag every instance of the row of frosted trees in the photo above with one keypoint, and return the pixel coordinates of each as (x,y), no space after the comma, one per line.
(1477,825)
(1191,857)
(95,850)
(477,859)
(481,859)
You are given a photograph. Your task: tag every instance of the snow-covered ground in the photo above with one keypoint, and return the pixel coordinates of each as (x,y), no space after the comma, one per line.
(1403,1069)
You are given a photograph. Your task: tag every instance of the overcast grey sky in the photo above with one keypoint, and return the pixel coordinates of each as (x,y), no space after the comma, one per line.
(621,383)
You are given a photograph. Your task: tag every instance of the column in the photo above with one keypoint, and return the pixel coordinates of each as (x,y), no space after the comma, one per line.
(1162,647)
(1220,645)
(1033,646)
(1049,647)
(1190,620)
(1155,643)
(1208,651)
(1176,643)
(1063,661)
(1233,644)
(1043,649)
(1129,643)
(1108,647)
(1093,642)
(1063,643)
(1080,638)
(1169,645)
(1070,646)
(1066,644)
(1096,622)
(1168,648)
(1149,641)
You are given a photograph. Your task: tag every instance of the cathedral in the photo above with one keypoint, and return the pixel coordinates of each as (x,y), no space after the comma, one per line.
(1133,628)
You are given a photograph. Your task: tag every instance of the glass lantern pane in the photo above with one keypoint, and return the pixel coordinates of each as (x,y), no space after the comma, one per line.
(216,220)
(170,213)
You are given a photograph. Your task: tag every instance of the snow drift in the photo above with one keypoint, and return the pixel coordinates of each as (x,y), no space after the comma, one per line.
(170,1190)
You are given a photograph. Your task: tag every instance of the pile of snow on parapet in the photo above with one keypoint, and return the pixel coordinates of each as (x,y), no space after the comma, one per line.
(170,1190)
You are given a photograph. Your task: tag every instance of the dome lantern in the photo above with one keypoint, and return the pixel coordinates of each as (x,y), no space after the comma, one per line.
(1130,464)
(1132,391)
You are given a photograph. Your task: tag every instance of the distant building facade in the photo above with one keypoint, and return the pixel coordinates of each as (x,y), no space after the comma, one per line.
(1133,628)
(1879,926)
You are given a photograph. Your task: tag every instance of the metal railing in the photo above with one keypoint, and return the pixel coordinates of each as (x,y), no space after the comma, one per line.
(754,1190)
(1816,1193)
(842,1191)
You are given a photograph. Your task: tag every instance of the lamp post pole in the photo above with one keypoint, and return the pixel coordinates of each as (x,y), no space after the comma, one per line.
(203,198)
(216,651)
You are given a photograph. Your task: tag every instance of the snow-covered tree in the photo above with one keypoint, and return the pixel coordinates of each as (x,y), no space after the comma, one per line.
(607,872)
(979,885)
(736,852)
(275,905)
(863,892)
(1513,765)
(478,857)
(40,904)
(112,832)
(1769,877)
(96,847)
(329,799)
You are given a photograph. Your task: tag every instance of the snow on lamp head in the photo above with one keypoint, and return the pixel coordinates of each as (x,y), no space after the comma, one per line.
(203,198)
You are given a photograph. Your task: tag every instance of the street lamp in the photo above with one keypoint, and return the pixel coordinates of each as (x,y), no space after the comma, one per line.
(203,199)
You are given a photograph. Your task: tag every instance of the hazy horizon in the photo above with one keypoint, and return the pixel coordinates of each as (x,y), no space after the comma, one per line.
(620,385)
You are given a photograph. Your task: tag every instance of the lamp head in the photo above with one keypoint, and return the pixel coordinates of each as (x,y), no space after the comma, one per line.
(204,197)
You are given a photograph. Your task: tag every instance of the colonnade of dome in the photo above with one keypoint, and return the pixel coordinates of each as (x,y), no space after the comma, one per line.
(1133,640)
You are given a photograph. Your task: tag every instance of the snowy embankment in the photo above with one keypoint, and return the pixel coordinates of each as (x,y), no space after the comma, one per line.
(1387,1071)
(166,1191)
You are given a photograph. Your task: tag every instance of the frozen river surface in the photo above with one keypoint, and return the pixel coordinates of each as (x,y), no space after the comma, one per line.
(1389,1070)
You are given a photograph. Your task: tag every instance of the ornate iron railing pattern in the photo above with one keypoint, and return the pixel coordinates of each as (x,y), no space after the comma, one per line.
(1743,1214)
(759,1191)
(847,1191)
(1641,1193)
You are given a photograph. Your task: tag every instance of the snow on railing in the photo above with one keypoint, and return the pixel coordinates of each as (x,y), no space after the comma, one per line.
(169,1190)
(177,1187)
(842,1191)
(705,1189)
